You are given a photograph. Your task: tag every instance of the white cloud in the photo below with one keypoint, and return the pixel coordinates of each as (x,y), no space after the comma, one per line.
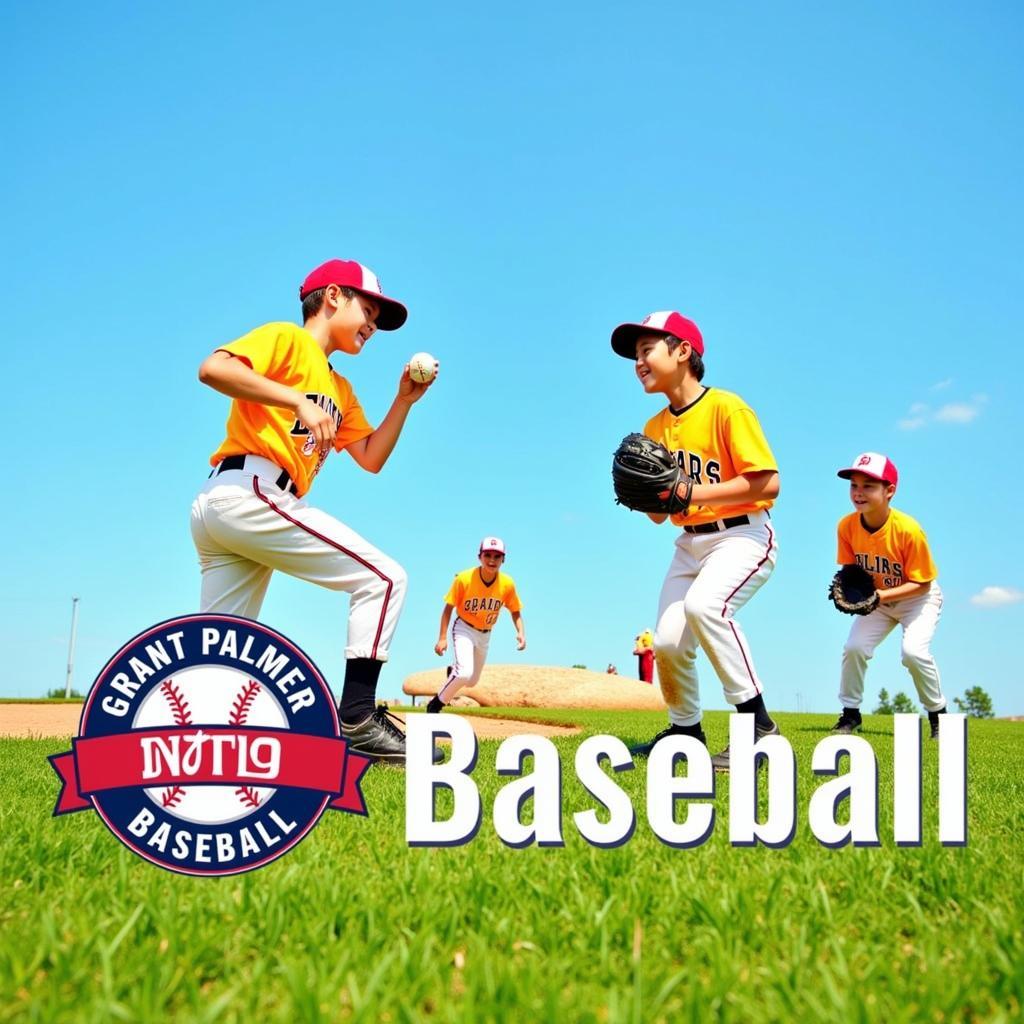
(941,385)
(997,597)
(920,414)
(912,423)
(961,412)
(957,412)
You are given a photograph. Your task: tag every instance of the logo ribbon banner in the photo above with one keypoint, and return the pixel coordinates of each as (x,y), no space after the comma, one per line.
(214,755)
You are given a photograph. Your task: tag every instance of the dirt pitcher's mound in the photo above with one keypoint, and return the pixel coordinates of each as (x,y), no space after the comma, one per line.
(541,686)
(487,728)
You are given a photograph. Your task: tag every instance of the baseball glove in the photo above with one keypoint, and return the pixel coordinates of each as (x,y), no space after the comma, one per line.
(852,591)
(646,477)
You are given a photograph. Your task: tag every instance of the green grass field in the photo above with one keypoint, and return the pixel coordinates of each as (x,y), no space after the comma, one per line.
(355,925)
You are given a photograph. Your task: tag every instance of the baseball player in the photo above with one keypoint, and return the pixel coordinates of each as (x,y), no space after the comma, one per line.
(726,546)
(643,648)
(893,548)
(289,409)
(477,596)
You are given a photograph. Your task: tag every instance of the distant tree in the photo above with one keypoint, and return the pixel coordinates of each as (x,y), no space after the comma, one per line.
(903,705)
(579,666)
(976,703)
(52,694)
(884,704)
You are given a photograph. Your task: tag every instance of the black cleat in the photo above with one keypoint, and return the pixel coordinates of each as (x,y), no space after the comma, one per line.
(378,736)
(849,722)
(720,762)
(644,749)
(933,722)
(435,705)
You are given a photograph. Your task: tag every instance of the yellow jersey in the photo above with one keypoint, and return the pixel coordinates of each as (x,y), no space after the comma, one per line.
(715,438)
(894,554)
(480,603)
(290,355)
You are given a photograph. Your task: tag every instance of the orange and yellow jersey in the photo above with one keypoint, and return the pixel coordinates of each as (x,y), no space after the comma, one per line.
(894,554)
(290,355)
(480,603)
(715,438)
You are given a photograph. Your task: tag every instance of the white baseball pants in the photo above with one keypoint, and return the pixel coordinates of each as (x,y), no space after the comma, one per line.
(918,616)
(244,527)
(712,576)
(469,652)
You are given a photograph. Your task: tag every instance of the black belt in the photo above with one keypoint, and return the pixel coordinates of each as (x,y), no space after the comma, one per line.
(284,481)
(714,528)
(470,624)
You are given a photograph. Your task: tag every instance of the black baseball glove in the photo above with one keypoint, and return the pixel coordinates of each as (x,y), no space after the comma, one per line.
(852,591)
(646,477)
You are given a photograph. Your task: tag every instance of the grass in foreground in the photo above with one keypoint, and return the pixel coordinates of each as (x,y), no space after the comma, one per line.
(355,925)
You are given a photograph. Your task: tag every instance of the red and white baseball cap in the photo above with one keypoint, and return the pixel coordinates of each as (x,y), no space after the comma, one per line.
(492,544)
(871,464)
(349,274)
(665,322)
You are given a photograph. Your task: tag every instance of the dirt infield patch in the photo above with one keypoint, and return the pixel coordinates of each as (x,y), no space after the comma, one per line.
(37,720)
(545,686)
(26,721)
(487,728)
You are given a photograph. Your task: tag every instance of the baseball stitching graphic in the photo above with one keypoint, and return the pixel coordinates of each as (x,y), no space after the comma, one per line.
(216,697)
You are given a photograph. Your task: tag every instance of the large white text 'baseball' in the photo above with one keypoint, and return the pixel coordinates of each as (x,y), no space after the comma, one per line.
(443,805)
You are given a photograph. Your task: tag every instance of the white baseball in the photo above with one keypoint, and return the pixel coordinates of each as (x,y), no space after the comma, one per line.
(423,367)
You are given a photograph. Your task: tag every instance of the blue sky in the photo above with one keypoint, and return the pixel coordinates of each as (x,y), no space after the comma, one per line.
(833,195)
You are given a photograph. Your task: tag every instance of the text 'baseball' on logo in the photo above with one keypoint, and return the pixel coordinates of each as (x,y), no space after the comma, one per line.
(209,745)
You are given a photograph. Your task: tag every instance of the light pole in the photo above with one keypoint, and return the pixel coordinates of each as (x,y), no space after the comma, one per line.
(71,646)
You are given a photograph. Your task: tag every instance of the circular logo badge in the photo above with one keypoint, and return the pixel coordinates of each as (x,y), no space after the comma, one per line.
(210,745)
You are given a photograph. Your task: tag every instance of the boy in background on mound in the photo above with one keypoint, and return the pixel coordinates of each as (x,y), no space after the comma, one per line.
(477,596)
(891,546)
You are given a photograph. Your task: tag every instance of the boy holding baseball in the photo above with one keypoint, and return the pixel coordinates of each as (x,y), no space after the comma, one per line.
(725,548)
(289,410)
(893,548)
(476,596)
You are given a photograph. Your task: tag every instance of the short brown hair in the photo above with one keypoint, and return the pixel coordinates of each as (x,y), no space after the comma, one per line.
(696,360)
(314,301)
